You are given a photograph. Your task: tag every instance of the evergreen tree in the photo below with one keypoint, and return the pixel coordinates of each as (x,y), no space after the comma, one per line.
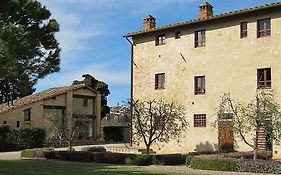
(28,48)
(99,86)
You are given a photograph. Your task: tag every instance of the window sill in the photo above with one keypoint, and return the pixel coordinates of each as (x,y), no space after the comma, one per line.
(159,88)
(199,46)
(267,36)
(159,44)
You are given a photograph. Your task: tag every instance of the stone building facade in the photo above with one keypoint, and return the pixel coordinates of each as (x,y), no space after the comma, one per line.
(76,106)
(195,62)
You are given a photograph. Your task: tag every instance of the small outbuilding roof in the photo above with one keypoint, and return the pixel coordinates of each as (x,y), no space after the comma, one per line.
(44,95)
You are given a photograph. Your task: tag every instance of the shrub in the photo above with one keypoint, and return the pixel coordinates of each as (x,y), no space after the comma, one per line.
(260,166)
(206,163)
(94,149)
(113,133)
(265,155)
(169,159)
(188,160)
(113,158)
(35,153)
(30,138)
(143,160)
(77,156)
(4,138)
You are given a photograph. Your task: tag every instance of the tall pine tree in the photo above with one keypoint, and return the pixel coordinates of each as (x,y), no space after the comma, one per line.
(28,48)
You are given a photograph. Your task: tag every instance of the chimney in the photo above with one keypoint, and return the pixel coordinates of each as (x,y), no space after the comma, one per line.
(205,10)
(149,22)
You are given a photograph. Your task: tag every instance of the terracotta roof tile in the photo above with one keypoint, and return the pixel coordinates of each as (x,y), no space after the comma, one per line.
(50,93)
(194,21)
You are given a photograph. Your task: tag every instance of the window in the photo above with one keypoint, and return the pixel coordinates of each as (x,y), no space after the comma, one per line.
(85,102)
(27,114)
(263,27)
(199,120)
(5,122)
(160,40)
(264,78)
(177,34)
(18,124)
(243,29)
(199,85)
(200,38)
(160,81)
(159,122)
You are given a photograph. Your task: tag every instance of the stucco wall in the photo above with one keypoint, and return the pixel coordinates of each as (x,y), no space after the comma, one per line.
(17,114)
(228,63)
(63,100)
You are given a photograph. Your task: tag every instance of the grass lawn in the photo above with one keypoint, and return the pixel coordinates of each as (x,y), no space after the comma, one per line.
(43,167)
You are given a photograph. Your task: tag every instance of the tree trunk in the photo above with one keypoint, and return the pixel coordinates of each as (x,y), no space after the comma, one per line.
(69,145)
(147,149)
(255,157)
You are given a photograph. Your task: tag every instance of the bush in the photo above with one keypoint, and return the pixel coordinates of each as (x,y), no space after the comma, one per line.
(30,138)
(260,166)
(113,158)
(188,160)
(265,155)
(143,160)
(169,159)
(6,139)
(77,156)
(206,163)
(94,149)
(113,133)
(35,153)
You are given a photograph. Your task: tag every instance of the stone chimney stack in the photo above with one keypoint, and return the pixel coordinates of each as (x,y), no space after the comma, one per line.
(149,22)
(205,10)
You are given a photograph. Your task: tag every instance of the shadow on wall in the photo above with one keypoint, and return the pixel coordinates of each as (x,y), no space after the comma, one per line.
(206,147)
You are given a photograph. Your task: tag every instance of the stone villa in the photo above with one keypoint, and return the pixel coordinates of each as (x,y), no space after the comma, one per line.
(195,62)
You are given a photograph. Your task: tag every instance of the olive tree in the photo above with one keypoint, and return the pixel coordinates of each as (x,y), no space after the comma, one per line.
(263,113)
(157,122)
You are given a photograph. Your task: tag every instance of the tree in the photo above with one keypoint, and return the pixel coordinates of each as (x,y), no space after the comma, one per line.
(157,122)
(263,113)
(28,48)
(57,129)
(99,86)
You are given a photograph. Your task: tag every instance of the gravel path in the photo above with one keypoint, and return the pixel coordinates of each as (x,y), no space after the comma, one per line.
(10,155)
(184,169)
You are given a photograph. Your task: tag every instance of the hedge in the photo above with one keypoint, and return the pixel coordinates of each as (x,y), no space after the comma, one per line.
(259,166)
(35,153)
(113,133)
(207,163)
(116,158)
(17,139)
(30,138)
(94,149)
(77,156)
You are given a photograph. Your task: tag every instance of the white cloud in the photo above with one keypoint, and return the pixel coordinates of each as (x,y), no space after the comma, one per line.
(102,71)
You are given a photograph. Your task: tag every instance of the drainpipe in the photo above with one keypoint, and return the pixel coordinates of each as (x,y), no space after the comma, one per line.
(131,95)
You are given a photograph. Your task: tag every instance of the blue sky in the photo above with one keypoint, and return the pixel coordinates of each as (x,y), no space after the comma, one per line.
(91,36)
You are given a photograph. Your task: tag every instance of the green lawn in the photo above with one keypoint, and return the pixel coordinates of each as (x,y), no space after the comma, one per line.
(42,167)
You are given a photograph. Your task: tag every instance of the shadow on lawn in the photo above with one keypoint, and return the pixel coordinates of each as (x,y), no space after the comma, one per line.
(49,167)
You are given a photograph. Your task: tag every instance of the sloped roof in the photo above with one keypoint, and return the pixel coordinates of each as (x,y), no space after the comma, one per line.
(219,16)
(44,95)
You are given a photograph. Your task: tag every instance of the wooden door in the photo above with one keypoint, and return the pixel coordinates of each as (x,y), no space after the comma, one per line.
(225,135)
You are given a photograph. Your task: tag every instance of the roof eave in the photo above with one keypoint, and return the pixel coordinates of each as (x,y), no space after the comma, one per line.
(215,17)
